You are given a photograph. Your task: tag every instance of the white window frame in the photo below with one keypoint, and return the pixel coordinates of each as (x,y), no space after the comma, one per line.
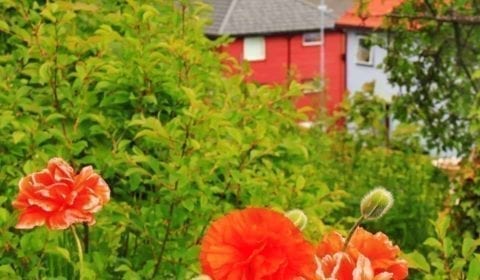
(249,51)
(357,49)
(313,43)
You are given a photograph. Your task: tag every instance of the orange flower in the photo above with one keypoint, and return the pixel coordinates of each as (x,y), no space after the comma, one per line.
(257,244)
(57,197)
(368,256)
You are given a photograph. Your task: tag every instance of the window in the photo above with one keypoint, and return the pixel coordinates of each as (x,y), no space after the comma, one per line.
(254,48)
(312,39)
(364,51)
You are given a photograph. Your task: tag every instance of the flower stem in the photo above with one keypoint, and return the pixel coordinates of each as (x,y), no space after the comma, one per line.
(80,252)
(350,233)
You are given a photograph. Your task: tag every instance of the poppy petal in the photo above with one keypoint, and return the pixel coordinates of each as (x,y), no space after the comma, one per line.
(87,202)
(256,243)
(46,205)
(363,270)
(60,170)
(31,217)
(42,178)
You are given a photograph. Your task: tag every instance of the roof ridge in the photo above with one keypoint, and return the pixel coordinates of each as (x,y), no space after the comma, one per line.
(227,16)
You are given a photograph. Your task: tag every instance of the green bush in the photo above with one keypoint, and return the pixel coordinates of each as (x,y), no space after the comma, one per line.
(136,90)
(362,157)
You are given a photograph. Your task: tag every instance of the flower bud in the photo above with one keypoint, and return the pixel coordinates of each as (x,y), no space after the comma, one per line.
(298,218)
(202,277)
(376,203)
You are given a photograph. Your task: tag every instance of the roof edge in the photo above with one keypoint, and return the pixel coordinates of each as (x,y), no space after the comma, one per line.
(273,33)
(360,27)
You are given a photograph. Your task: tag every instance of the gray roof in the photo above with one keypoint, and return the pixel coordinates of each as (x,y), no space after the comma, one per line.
(249,17)
(337,8)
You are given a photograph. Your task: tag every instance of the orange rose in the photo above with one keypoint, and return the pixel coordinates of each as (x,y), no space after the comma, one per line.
(57,197)
(368,256)
(256,243)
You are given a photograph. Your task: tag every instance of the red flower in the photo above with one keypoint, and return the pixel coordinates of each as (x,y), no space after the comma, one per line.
(58,197)
(334,262)
(368,256)
(257,244)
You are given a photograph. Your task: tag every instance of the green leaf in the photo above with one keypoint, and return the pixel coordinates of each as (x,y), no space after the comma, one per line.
(441,226)
(154,129)
(300,183)
(18,136)
(7,270)
(458,264)
(54,117)
(434,243)
(4,26)
(33,241)
(188,204)
(79,146)
(4,215)
(474,269)
(45,72)
(129,273)
(417,261)
(469,246)
(235,134)
(137,170)
(59,251)
(84,7)
(448,248)
(195,144)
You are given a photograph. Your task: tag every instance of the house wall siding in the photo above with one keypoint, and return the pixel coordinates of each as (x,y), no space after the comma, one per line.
(304,61)
(358,75)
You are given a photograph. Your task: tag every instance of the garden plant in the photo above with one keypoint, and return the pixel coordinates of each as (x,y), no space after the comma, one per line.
(129,143)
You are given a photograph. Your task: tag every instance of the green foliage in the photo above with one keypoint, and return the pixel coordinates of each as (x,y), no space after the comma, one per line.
(135,89)
(465,197)
(449,257)
(435,66)
(367,156)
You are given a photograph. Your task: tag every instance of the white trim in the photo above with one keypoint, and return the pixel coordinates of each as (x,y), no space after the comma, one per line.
(314,43)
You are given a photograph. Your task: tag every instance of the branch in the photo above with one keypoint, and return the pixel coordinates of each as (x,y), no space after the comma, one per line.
(459,49)
(460,19)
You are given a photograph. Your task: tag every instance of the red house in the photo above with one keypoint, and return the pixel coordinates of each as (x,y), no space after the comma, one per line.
(281,37)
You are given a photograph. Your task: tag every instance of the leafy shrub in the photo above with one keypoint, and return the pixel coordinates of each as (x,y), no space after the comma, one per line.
(135,89)
(361,158)
(448,257)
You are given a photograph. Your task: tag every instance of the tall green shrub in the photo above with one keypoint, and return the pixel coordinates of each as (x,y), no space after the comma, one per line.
(135,89)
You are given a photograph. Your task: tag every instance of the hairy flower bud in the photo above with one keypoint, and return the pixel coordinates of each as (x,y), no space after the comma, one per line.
(376,203)
(298,218)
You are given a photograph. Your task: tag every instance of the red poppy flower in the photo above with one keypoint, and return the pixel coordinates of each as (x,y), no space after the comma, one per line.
(57,197)
(334,263)
(380,251)
(257,244)
(368,256)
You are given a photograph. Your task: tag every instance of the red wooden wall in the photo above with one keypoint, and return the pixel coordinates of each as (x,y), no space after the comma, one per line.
(304,60)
